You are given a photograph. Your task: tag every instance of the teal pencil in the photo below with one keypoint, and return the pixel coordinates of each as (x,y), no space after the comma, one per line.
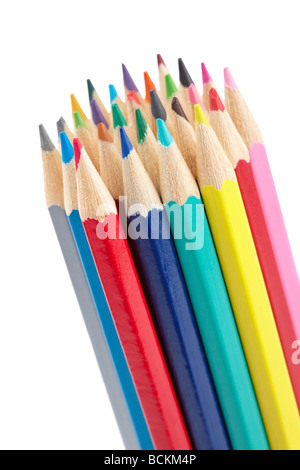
(209,297)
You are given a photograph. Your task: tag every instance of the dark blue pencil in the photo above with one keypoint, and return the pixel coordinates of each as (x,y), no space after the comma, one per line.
(169,303)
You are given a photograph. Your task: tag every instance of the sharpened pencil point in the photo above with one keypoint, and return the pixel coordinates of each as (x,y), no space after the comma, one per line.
(125,143)
(160,60)
(60,125)
(171,88)
(76,107)
(163,135)
(149,85)
(118,118)
(46,143)
(229,80)
(97,114)
(91,90)
(67,151)
(141,126)
(103,133)
(184,76)
(128,82)
(78,120)
(112,93)
(205,75)
(200,116)
(215,101)
(177,108)
(77,151)
(157,109)
(194,96)
(133,97)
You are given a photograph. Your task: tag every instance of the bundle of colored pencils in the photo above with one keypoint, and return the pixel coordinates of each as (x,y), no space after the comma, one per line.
(170,226)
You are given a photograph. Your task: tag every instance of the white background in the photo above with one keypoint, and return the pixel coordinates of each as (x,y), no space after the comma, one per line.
(51,393)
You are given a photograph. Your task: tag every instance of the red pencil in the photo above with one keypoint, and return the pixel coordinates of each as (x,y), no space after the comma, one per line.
(128,307)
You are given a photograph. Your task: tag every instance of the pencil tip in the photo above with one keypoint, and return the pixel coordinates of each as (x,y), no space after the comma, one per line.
(229,80)
(46,143)
(103,133)
(215,101)
(149,85)
(118,118)
(171,88)
(132,96)
(77,151)
(60,126)
(91,90)
(157,109)
(76,107)
(125,143)
(67,151)
(177,108)
(78,120)
(112,93)
(163,135)
(97,114)
(160,60)
(184,76)
(141,126)
(128,82)
(200,116)
(205,75)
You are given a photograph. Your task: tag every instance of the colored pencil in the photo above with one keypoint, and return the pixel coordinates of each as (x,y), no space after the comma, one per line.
(93,95)
(185,81)
(173,92)
(110,163)
(246,288)
(115,99)
(85,136)
(147,148)
(120,121)
(267,226)
(208,294)
(129,84)
(159,112)
(77,108)
(170,306)
(128,307)
(193,99)
(62,126)
(149,85)
(133,427)
(132,104)
(162,71)
(207,85)
(185,136)
(97,115)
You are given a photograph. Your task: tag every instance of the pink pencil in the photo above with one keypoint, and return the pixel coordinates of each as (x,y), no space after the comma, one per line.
(268,230)
(208,84)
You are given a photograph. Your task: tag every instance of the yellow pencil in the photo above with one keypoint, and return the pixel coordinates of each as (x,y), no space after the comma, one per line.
(246,288)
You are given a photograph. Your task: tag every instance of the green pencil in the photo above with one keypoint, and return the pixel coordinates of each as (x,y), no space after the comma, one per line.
(209,297)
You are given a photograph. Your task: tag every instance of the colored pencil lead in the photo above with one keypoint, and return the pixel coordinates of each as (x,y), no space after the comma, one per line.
(194,97)
(46,143)
(171,88)
(77,151)
(97,114)
(125,143)
(128,82)
(205,75)
(112,93)
(91,90)
(177,108)
(157,107)
(200,116)
(78,120)
(229,80)
(163,135)
(141,126)
(60,126)
(118,118)
(76,107)
(67,151)
(149,85)
(132,96)
(184,76)
(160,60)
(215,101)
(103,133)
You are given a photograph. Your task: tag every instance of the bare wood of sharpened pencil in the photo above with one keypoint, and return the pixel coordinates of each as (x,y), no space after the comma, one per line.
(90,144)
(110,163)
(53,178)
